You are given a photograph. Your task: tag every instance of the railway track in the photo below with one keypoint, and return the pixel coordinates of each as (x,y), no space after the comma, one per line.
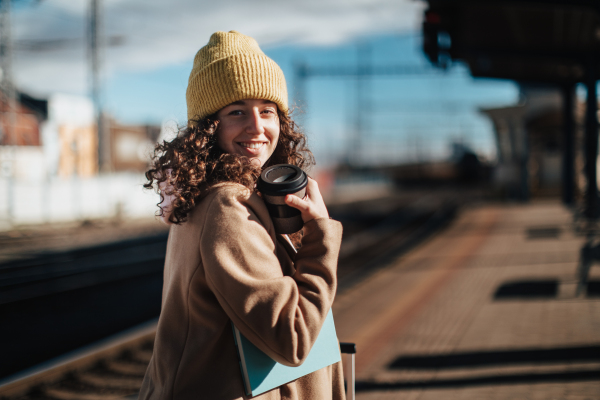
(109,370)
(114,368)
(54,303)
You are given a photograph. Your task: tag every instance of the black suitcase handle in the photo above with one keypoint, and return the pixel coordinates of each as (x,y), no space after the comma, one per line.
(348,348)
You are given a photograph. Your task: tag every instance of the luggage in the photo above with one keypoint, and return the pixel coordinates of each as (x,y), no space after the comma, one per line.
(350,349)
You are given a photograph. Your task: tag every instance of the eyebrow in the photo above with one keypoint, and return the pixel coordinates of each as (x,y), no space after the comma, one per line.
(242,102)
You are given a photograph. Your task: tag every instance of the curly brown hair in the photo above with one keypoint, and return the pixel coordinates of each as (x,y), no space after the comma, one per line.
(193,162)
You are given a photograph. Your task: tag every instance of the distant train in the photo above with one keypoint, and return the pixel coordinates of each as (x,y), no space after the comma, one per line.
(466,169)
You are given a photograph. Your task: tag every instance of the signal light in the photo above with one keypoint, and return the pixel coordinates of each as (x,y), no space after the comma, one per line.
(436,39)
(432,17)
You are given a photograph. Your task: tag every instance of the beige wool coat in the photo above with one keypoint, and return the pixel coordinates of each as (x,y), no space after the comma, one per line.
(226,263)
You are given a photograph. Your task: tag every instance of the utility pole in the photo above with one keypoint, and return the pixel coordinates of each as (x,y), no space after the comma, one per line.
(7,82)
(300,75)
(8,92)
(95,50)
(363,78)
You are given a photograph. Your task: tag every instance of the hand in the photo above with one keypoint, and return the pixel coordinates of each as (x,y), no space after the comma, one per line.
(312,206)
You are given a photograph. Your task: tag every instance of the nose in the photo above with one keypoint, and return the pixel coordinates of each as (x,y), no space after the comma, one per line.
(255,123)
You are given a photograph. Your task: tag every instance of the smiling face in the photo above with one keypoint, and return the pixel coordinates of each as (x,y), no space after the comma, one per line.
(249,128)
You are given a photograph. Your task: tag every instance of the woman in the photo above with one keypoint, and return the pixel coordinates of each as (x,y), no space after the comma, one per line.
(224,261)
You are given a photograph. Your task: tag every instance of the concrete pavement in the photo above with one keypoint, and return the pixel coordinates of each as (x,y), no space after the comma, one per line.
(484,310)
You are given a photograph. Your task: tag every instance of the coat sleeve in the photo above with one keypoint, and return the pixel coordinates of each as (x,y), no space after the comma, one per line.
(281,315)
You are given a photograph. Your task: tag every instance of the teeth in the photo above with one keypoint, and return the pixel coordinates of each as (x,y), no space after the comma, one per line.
(251,145)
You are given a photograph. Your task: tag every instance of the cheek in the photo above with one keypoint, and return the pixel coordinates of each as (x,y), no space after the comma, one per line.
(274,141)
(224,140)
(220,141)
(274,133)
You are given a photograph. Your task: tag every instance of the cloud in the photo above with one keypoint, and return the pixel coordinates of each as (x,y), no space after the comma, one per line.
(158,33)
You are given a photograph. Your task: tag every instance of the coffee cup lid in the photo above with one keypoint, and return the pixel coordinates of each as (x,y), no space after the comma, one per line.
(282,179)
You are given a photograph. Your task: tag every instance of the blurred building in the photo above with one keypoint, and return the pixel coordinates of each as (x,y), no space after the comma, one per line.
(529,142)
(70,139)
(21,154)
(131,145)
(58,137)
(552,43)
(49,164)
(28,116)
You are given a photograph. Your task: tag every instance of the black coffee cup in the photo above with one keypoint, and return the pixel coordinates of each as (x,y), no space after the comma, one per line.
(275,183)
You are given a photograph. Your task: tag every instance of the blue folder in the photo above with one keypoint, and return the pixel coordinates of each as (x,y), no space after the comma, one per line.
(261,373)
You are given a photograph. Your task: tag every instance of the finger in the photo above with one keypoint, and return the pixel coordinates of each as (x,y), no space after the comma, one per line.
(312,189)
(296,202)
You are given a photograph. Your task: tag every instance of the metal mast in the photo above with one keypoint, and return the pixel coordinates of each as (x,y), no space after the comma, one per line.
(9,95)
(95,49)
(6,78)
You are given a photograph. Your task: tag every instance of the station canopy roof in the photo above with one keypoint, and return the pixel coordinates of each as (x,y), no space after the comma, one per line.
(551,41)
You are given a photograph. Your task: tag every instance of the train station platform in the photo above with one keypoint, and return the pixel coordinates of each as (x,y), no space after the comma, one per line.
(486,309)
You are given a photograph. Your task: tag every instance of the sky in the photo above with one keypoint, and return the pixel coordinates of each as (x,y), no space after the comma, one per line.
(151,45)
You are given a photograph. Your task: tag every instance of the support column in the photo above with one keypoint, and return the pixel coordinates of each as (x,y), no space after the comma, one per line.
(520,138)
(591,141)
(568,167)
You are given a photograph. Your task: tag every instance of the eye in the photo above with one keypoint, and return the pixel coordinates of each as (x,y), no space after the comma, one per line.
(235,112)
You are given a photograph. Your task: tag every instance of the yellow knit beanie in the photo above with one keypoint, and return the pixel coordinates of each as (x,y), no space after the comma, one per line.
(229,68)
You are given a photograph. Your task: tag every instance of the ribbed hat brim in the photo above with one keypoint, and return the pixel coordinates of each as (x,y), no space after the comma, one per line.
(238,77)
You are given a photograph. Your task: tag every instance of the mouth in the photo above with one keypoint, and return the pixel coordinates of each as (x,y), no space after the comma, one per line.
(252,147)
